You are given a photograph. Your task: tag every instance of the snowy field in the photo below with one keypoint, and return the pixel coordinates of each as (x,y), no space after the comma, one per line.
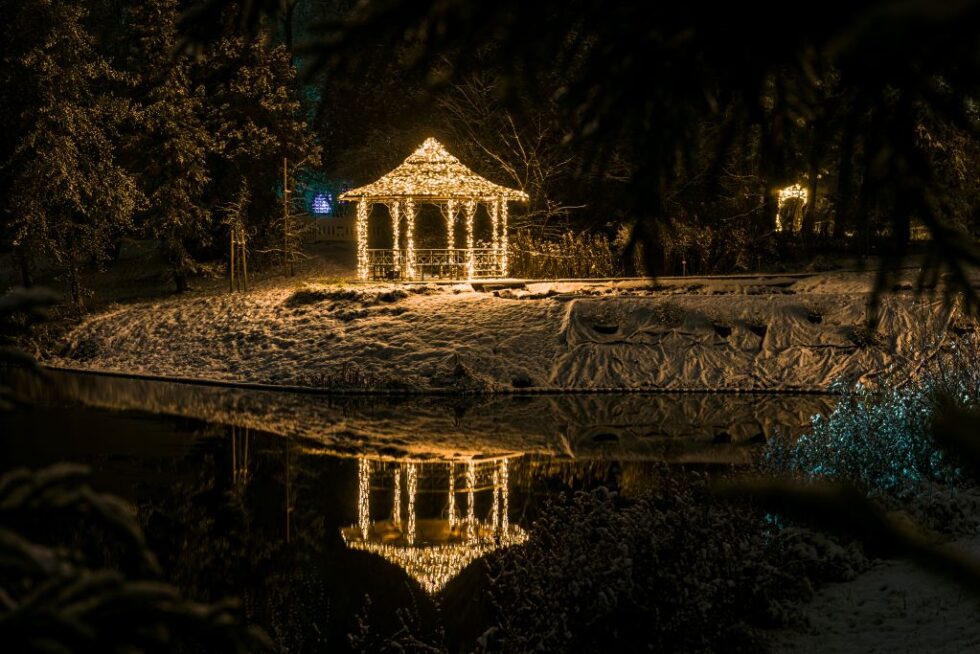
(739,333)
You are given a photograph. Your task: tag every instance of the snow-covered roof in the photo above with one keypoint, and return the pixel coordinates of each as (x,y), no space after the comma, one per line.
(431,173)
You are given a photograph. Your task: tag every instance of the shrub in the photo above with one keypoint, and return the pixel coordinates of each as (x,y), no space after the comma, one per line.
(880,437)
(673,571)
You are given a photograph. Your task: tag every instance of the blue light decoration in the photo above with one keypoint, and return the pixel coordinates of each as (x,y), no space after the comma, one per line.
(322,204)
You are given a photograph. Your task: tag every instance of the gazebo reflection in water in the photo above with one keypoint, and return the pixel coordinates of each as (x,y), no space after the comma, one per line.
(468,503)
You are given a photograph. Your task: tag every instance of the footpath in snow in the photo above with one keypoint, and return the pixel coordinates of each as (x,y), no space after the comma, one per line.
(741,334)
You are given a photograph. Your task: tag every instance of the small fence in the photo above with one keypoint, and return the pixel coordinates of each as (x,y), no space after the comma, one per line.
(459,263)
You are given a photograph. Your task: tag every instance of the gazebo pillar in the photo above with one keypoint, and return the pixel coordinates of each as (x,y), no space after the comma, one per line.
(451,224)
(395,209)
(503,236)
(470,208)
(362,239)
(494,207)
(410,238)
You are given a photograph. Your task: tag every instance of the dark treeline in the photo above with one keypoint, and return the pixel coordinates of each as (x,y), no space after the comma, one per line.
(110,132)
(668,130)
(685,119)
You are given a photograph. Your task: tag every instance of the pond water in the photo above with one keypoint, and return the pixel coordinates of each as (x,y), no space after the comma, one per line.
(320,511)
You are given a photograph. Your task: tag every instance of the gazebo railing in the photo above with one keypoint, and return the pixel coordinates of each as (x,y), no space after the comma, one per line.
(459,263)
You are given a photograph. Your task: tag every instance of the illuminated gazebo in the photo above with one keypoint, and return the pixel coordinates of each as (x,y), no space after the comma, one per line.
(466,504)
(431,175)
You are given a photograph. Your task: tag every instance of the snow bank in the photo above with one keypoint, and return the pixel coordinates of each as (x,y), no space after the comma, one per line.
(727,334)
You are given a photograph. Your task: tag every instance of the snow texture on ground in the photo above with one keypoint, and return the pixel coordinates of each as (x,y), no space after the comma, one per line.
(710,334)
(896,607)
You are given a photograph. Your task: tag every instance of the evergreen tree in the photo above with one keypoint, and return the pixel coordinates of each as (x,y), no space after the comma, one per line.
(256,117)
(171,144)
(69,197)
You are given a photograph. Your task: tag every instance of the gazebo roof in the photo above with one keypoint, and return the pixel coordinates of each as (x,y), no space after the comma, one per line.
(431,173)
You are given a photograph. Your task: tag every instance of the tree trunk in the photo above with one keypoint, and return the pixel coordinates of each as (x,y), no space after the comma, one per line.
(24,263)
(287,26)
(813,172)
(180,278)
(75,284)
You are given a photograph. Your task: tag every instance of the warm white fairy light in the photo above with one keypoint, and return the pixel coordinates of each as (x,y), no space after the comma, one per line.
(362,239)
(436,554)
(495,509)
(410,238)
(450,214)
(469,208)
(452,495)
(494,224)
(505,509)
(785,195)
(503,237)
(434,566)
(396,501)
(364,496)
(470,506)
(411,478)
(395,210)
(431,174)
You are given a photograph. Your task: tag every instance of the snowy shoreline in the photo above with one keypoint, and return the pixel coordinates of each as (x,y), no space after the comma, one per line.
(783,334)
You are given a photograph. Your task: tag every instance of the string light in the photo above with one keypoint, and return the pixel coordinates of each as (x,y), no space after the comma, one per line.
(322,204)
(362,239)
(396,505)
(494,223)
(470,506)
(395,210)
(436,554)
(364,496)
(504,481)
(787,194)
(495,509)
(431,174)
(434,566)
(450,214)
(470,210)
(452,496)
(503,238)
(411,477)
(410,238)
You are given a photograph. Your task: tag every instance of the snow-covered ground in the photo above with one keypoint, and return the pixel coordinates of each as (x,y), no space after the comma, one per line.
(894,607)
(765,333)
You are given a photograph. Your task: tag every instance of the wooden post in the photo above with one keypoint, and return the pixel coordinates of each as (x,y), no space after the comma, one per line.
(231,260)
(287,246)
(244,260)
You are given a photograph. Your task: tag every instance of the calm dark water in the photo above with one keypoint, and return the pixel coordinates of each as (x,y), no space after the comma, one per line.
(320,511)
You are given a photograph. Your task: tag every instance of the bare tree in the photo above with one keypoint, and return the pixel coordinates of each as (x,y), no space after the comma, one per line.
(529,151)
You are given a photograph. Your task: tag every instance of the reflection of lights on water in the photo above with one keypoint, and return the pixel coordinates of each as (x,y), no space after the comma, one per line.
(396,509)
(470,508)
(411,477)
(434,551)
(363,496)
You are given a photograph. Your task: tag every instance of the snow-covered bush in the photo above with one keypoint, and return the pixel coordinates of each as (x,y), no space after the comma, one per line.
(880,437)
(675,570)
(570,255)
